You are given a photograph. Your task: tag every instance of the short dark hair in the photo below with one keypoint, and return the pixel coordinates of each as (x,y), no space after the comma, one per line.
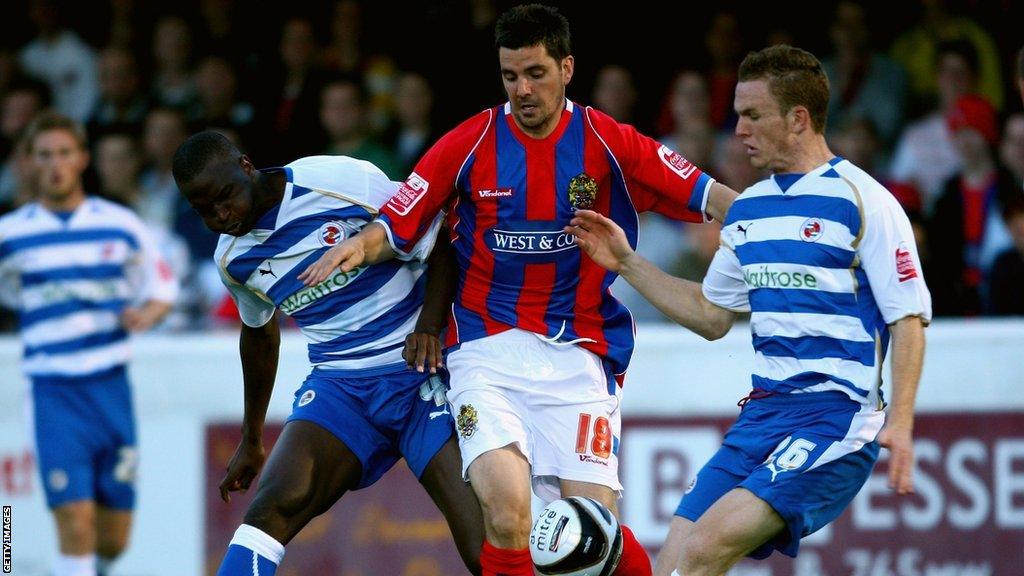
(531,24)
(52,120)
(961,48)
(795,78)
(196,152)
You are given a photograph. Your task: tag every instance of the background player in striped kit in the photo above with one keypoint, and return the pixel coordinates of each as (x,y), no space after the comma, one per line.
(824,258)
(81,272)
(538,346)
(361,409)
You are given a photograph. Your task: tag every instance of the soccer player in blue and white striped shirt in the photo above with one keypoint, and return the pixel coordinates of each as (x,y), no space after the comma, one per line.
(361,409)
(824,259)
(81,273)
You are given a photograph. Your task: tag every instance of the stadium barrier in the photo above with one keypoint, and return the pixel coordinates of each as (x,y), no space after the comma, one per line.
(966,518)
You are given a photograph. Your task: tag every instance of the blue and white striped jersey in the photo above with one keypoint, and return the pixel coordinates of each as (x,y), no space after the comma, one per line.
(824,262)
(354,322)
(70,279)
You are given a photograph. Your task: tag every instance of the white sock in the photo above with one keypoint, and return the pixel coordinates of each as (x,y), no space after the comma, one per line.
(675,573)
(259,542)
(75,565)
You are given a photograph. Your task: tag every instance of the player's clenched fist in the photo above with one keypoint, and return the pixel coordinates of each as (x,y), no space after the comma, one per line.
(244,466)
(347,255)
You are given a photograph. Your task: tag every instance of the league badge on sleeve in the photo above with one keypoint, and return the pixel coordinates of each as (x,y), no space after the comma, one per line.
(905,267)
(582,191)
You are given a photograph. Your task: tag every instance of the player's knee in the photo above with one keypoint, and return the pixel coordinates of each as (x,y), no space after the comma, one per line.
(698,554)
(77,526)
(110,547)
(279,510)
(508,524)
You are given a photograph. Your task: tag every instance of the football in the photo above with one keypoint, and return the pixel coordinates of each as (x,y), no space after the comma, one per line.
(576,536)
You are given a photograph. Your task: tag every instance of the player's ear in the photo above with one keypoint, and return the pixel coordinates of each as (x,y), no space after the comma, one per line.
(568,65)
(799,119)
(247,165)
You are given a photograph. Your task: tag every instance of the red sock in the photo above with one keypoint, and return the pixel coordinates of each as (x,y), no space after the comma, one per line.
(634,561)
(504,562)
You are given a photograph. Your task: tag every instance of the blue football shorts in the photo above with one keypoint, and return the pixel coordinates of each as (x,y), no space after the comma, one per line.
(806,455)
(381,418)
(85,439)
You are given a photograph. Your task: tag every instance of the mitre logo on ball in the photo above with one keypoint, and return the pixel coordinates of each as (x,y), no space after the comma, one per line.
(582,191)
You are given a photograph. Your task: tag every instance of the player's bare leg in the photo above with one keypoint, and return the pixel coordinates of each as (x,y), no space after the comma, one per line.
(672,549)
(602,494)
(308,470)
(457,501)
(76,534)
(501,480)
(634,560)
(734,526)
(113,528)
(76,527)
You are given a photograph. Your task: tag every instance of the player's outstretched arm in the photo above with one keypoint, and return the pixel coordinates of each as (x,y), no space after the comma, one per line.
(259,351)
(720,199)
(681,300)
(146,316)
(898,434)
(369,246)
(423,347)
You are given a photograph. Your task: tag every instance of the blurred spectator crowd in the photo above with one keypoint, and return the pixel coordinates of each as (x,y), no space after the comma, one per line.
(935,116)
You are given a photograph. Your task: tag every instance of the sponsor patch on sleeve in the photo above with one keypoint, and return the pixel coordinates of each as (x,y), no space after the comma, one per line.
(677,163)
(905,267)
(409,193)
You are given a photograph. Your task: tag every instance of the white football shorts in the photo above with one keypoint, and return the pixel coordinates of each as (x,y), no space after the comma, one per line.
(550,399)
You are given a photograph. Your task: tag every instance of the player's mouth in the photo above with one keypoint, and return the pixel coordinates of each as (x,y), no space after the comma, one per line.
(527,108)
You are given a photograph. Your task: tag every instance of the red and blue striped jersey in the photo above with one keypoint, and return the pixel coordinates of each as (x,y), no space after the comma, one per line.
(508,197)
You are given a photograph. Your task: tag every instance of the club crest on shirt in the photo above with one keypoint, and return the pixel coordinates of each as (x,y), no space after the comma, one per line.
(331,233)
(306,397)
(582,191)
(467,420)
(811,230)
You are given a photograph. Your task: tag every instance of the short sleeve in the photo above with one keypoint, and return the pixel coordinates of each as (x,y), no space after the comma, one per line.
(253,310)
(659,179)
(411,213)
(888,255)
(422,249)
(155,278)
(723,285)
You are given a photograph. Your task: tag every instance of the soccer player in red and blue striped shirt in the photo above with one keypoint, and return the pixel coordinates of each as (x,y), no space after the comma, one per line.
(537,345)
